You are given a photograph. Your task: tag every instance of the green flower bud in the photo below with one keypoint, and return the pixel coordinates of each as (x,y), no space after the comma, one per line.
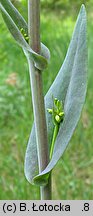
(50,111)
(22,30)
(55,101)
(57,118)
(27,38)
(61,114)
(58,103)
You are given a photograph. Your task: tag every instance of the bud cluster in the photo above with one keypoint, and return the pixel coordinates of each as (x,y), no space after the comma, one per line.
(24,35)
(57,111)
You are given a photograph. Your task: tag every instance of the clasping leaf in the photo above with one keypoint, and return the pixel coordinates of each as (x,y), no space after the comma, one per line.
(69,87)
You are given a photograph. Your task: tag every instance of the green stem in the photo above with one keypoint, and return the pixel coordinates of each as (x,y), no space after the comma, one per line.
(37,94)
(56,129)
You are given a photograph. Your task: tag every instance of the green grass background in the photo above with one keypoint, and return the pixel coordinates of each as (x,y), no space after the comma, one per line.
(73,175)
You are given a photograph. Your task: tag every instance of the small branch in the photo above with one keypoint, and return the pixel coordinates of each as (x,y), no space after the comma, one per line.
(37,93)
(56,129)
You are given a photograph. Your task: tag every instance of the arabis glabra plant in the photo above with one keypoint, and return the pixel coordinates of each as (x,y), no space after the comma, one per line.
(55,118)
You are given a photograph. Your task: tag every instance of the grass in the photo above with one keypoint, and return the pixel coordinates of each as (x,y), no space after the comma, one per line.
(73,175)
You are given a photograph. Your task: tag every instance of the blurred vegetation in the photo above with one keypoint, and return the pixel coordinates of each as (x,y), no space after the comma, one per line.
(73,175)
(64,6)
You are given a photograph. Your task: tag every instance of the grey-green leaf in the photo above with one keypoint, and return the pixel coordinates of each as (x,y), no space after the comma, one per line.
(15,22)
(69,86)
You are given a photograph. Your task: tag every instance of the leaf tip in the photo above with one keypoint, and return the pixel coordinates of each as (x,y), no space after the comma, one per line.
(83,8)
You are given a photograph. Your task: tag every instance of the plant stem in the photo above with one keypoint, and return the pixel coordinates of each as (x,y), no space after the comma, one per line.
(37,94)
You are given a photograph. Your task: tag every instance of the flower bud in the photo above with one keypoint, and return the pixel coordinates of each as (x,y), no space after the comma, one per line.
(57,118)
(50,111)
(61,114)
